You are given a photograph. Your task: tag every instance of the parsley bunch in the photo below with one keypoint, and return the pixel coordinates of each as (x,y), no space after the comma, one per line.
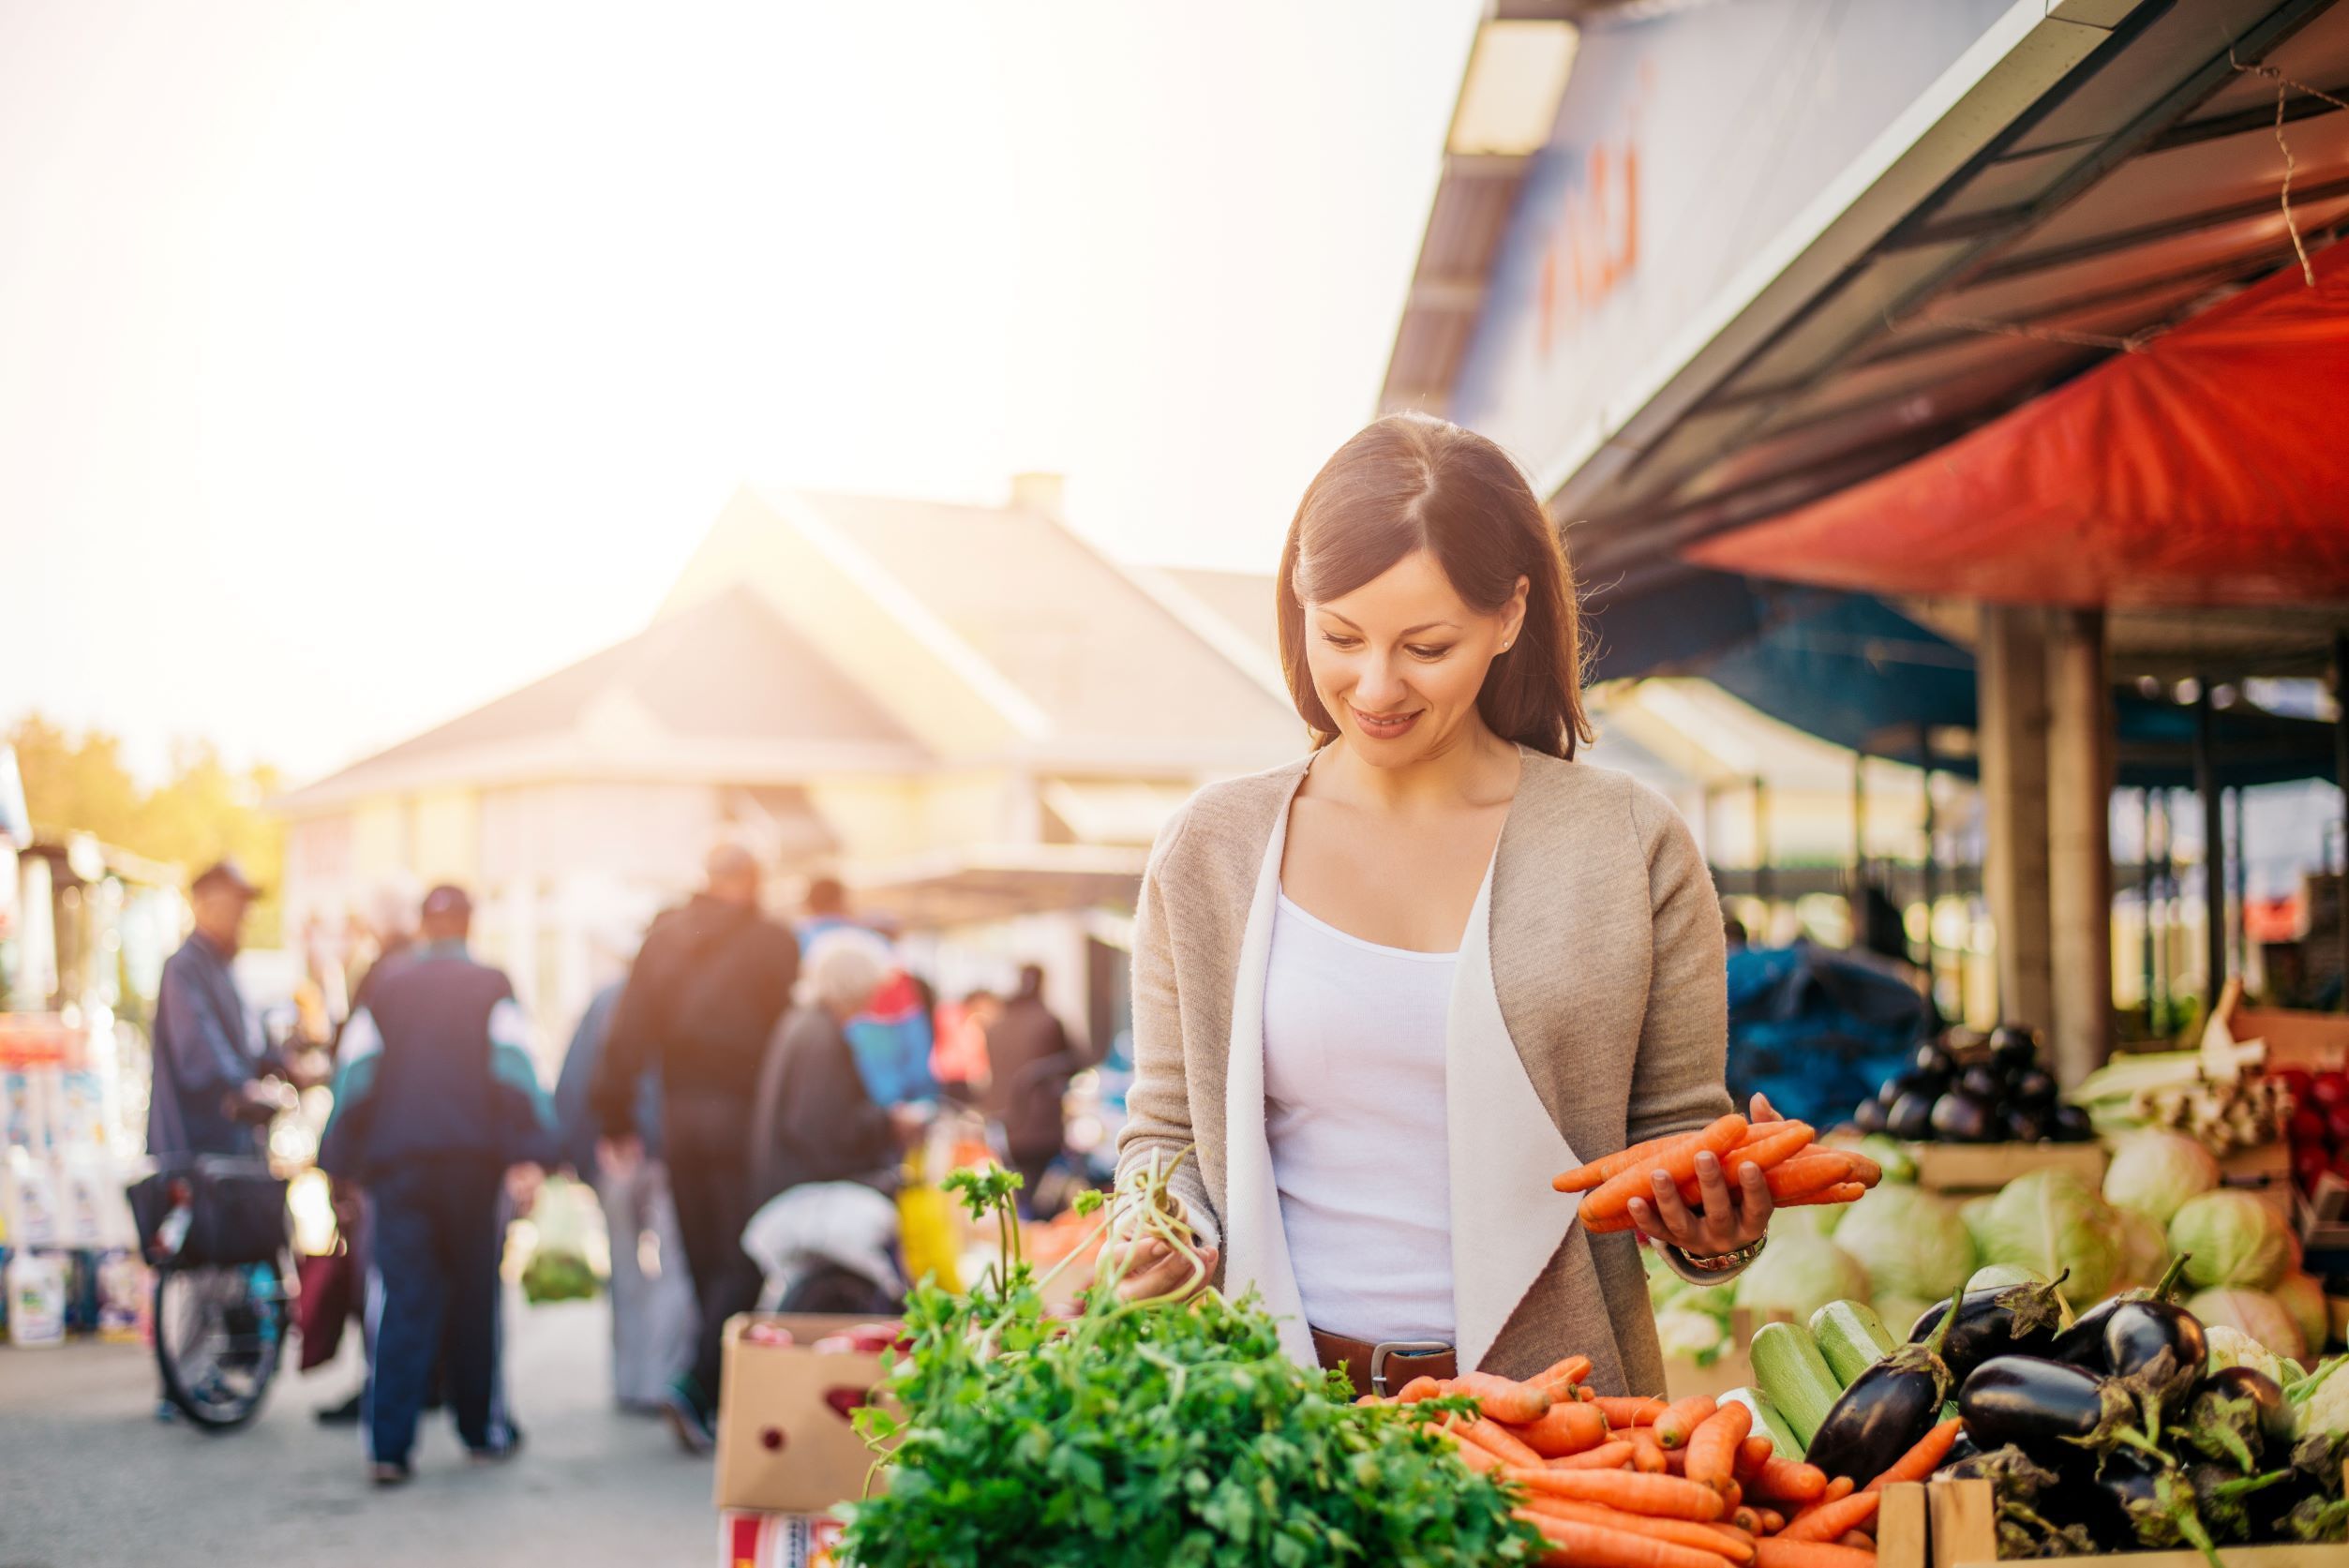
(1148,1433)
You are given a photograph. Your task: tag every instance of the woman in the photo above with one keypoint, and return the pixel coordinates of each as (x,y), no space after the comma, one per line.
(1388,992)
(814,1120)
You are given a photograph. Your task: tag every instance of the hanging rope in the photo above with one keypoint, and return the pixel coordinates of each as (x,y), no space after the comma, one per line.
(2285,87)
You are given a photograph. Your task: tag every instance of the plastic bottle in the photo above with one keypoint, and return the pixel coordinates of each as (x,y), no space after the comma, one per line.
(37,1300)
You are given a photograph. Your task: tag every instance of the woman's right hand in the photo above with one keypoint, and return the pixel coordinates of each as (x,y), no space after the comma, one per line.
(1154,1267)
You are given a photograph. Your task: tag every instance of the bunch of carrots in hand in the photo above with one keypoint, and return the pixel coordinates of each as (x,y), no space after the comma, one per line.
(1796,1168)
(1631,1483)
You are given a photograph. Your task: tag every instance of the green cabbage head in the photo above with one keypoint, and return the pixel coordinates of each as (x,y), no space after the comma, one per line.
(2156,1170)
(1799,1272)
(2232,1238)
(1913,1242)
(2050,1221)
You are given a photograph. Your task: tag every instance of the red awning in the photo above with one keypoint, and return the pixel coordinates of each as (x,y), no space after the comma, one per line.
(2210,467)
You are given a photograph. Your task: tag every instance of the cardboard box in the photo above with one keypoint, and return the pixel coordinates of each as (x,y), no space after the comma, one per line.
(752,1539)
(786,1444)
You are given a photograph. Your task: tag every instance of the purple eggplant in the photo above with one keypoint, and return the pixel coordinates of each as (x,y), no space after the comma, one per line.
(2238,1413)
(1962,1117)
(1887,1409)
(2011,1320)
(2052,1411)
(2083,1345)
(1910,1118)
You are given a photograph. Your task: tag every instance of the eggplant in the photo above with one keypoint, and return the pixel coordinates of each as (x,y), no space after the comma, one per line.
(1983,1081)
(1910,1119)
(2009,1319)
(2033,1087)
(1960,1117)
(2021,1487)
(2148,1496)
(1870,1117)
(2238,1413)
(2023,1124)
(1933,1059)
(2242,1508)
(2083,1345)
(2052,1411)
(2069,1124)
(1887,1409)
(2013,1046)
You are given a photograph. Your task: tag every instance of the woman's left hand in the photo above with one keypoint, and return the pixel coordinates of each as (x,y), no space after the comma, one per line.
(1729,1219)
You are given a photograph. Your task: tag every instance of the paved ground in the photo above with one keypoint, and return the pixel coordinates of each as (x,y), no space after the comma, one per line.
(89,1479)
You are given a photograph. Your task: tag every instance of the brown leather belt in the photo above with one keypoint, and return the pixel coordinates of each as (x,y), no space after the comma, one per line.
(1385,1368)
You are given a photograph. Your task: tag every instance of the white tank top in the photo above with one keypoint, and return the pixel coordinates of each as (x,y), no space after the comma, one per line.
(1353,1109)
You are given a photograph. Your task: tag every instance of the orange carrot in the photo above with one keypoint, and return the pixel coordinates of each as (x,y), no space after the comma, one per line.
(1843,1192)
(1598,1173)
(1568,1370)
(1752,1455)
(1418,1389)
(1563,1430)
(1497,1440)
(1922,1461)
(1588,1546)
(1807,1174)
(1672,1428)
(1713,1447)
(1502,1398)
(1606,1455)
(1771,1521)
(1789,1481)
(1749,1521)
(1475,1458)
(1766,1144)
(1647,1454)
(1832,1519)
(1783,1553)
(1684,1532)
(1732,1496)
(1858,1541)
(1779,1552)
(1666,1497)
(1623,1414)
(1612,1201)
(1836,1490)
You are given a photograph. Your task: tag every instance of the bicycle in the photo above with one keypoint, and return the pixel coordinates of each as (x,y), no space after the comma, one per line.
(217,1231)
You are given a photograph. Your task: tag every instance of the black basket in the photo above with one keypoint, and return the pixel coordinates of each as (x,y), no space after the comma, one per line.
(236,1214)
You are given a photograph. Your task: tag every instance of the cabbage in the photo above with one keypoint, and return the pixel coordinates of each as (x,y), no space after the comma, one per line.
(1911,1242)
(1900,1313)
(1973,1212)
(1697,1337)
(2302,1298)
(2233,1239)
(2230,1346)
(2253,1313)
(1893,1155)
(1800,1273)
(2155,1172)
(2322,1401)
(2144,1250)
(1997,1276)
(1807,1219)
(2052,1222)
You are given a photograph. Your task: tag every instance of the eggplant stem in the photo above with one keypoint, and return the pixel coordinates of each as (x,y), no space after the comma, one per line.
(2165,1286)
(2232,1440)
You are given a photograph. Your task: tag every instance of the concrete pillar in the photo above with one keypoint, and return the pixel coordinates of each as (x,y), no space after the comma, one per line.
(2010,672)
(2079,842)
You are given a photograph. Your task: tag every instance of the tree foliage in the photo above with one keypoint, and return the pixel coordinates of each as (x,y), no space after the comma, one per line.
(203,811)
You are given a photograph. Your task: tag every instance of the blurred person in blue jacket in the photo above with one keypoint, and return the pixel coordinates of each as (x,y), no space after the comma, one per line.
(655,1321)
(210,1056)
(437,1101)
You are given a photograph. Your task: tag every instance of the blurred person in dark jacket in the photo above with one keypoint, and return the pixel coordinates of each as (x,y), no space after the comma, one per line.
(653,1318)
(438,1113)
(814,1119)
(701,1001)
(210,1056)
(1030,1063)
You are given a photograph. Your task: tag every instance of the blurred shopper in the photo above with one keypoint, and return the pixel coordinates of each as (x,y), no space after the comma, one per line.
(823,1146)
(210,1055)
(824,910)
(653,1318)
(1028,1053)
(702,1000)
(438,1099)
(390,931)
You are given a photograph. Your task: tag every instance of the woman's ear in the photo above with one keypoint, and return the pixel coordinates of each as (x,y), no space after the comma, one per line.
(1513,613)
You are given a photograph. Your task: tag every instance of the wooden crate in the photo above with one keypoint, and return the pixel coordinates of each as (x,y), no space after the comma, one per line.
(1961,1532)
(2265,1173)
(1966,1169)
(2312,1041)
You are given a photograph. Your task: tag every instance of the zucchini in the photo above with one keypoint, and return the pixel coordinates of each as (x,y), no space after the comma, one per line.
(1768,1421)
(1793,1376)
(1851,1337)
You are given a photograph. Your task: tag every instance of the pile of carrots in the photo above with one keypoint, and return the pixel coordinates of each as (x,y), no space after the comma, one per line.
(1630,1483)
(1797,1171)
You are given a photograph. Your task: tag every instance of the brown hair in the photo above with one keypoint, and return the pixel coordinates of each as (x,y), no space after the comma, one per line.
(1411,482)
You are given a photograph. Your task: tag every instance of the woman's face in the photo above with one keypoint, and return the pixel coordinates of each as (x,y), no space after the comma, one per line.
(1398,661)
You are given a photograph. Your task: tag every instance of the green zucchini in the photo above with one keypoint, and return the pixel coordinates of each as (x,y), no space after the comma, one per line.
(1851,1337)
(1768,1420)
(1793,1376)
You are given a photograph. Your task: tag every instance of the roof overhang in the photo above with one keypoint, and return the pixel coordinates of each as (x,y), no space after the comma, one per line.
(989,883)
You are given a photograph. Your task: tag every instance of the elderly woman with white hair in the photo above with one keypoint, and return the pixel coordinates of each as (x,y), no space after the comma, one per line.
(814,1120)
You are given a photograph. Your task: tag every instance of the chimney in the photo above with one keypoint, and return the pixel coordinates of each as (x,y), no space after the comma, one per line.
(1039,493)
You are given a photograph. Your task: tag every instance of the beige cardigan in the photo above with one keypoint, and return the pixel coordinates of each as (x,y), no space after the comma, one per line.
(1589,1011)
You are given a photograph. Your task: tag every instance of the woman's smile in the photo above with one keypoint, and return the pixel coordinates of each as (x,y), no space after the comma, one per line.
(1385,726)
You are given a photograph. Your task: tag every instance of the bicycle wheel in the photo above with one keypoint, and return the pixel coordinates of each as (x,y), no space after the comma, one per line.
(219,1332)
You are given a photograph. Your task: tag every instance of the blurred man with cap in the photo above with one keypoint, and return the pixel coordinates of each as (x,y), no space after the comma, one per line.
(209,1053)
(437,1099)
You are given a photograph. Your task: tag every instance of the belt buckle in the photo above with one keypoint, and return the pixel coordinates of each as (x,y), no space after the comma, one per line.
(1385,1347)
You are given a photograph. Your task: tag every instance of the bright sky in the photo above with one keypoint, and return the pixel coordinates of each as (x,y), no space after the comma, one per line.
(362,361)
